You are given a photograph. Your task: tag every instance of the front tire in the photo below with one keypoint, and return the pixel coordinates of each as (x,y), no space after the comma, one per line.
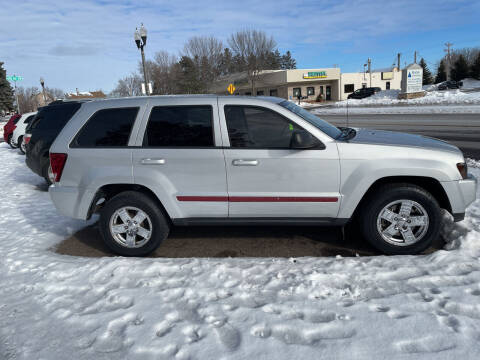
(401,219)
(132,224)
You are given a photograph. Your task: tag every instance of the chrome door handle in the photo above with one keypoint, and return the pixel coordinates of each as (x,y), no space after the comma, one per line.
(242,162)
(152,161)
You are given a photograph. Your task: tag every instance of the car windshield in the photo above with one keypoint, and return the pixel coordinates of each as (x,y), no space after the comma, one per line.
(324,126)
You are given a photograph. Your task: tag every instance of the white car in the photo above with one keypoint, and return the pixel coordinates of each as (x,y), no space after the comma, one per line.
(17,138)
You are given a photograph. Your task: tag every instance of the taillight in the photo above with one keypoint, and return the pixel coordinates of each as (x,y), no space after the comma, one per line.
(26,139)
(463,169)
(57,162)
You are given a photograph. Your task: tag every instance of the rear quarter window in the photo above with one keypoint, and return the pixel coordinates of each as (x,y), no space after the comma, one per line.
(107,128)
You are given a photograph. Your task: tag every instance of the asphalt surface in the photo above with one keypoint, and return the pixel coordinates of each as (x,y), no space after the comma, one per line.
(462,130)
(238,241)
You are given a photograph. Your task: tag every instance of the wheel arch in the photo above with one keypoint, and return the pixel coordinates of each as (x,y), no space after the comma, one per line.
(431,185)
(106,192)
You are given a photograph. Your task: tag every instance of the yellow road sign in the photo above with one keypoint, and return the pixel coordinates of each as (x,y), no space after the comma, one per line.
(231,89)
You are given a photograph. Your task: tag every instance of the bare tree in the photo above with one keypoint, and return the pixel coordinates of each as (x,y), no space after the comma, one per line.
(161,72)
(206,52)
(128,86)
(253,47)
(26,98)
(54,93)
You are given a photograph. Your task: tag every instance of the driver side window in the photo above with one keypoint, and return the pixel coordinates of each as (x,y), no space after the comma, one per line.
(257,127)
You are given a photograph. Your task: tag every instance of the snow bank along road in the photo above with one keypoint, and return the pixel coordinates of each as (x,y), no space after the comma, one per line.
(461,129)
(63,307)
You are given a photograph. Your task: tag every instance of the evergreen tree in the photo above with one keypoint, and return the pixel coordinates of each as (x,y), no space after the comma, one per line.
(6,91)
(441,72)
(475,68)
(189,82)
(288,62)
(427,75)
(460,69)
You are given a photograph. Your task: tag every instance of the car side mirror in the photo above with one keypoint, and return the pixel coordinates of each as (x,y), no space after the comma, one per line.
(302,139)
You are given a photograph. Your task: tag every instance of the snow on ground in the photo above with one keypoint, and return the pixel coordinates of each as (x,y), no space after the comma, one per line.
(470,83)
(61,307)
(401,109)
(390,97)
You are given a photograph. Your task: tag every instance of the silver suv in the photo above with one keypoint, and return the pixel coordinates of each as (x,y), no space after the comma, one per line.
(148,163)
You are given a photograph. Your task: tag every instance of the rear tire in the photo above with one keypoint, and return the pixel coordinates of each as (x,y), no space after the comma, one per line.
(10,141)
(45,170)
(390,227)
(132,224)
(21,145)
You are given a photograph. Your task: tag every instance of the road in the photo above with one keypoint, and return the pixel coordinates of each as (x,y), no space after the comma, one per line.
(462,130)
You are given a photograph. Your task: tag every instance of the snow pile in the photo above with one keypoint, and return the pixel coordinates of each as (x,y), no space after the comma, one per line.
(57,307)
(399,109)
(470,83)
(390,97)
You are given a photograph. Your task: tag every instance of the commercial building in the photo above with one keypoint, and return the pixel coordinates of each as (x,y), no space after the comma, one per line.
(322,84)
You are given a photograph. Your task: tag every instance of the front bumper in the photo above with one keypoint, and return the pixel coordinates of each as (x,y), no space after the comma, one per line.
(461,194)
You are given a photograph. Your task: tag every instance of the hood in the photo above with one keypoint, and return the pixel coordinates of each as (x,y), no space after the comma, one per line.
(382,137)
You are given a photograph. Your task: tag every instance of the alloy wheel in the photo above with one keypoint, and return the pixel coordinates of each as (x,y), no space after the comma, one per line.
(130,227)
(402,222)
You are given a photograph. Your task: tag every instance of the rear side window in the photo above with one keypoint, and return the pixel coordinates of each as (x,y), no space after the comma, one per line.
(107,127)
(54,117)
(257,127)
(180,126)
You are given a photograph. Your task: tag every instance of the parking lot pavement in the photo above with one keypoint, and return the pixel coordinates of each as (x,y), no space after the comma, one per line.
(236,241)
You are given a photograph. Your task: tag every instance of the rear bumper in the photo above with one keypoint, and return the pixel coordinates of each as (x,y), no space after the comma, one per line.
(70,201)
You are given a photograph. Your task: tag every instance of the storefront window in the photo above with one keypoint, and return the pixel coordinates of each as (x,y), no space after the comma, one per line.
(274,92)
(387,85)
(310,90)
(260,93)
(297,92)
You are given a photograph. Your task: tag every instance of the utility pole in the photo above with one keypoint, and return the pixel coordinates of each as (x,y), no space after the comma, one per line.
(16,97)
(415,57)
(447,50)
(370,70)
(398,61)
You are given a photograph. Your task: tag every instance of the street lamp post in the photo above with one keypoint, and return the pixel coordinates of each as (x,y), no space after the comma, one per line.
(141,40)
(42,82)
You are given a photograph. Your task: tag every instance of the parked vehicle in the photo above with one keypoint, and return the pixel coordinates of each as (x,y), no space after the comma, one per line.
(19,132)
(450,84)
(148,163)
(42,131)
(364,92)
(8,129)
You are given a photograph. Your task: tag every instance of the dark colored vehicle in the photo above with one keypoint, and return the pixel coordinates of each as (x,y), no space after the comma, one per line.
(42,131)
(9,127)
(450,84)
(364,92)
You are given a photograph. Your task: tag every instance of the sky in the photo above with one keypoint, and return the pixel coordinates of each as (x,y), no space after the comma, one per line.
(89,44)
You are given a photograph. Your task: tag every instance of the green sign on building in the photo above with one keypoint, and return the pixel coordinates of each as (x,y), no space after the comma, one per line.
(315,75)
